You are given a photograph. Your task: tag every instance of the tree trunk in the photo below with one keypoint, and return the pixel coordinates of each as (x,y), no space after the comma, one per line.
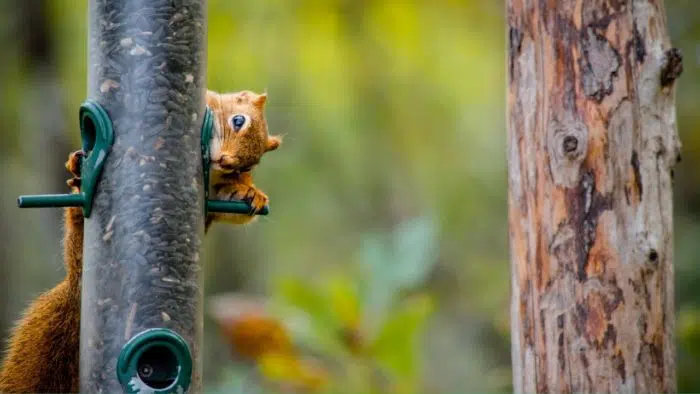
(592,141)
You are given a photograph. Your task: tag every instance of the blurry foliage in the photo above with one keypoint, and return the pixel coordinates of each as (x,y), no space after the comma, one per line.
(359,344)
(684,28)
(389,110)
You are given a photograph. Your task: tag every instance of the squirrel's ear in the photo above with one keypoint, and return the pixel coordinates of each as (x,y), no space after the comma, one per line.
(211,97)
(273,143)
(260,100)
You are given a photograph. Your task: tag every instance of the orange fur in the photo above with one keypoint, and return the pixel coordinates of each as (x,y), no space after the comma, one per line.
(234,153)
(43,349)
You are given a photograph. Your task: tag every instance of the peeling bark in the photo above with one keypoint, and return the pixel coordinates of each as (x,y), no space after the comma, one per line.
(592,142)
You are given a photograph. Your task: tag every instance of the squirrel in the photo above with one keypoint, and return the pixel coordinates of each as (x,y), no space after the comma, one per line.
(239,141)
(43,349)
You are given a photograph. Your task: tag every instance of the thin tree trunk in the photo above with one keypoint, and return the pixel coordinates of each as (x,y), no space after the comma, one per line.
(592,141)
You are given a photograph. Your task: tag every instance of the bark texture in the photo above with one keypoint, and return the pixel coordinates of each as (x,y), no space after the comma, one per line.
(592,142)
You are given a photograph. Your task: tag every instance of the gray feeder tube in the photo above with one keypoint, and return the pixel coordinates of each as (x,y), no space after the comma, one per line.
(141,274)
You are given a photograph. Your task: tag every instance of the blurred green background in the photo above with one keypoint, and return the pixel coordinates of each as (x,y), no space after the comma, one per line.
(388,195)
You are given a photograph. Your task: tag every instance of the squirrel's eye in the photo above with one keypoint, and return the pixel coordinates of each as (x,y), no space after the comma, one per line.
(237,122)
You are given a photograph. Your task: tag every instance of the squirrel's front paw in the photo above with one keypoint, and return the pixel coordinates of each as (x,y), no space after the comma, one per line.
(242,192)
(251,195)
(73,163)
(73,166)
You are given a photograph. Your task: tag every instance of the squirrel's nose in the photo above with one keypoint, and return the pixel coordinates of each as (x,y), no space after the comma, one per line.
(227,162)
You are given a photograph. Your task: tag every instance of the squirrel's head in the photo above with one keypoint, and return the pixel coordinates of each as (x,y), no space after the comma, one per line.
(240,137)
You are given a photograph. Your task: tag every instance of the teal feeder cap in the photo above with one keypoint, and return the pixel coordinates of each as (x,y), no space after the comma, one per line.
(155,361)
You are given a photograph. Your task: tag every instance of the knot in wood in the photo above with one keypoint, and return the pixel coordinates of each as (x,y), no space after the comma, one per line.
(653,256)
(672,66)
(570,144)
(567,144)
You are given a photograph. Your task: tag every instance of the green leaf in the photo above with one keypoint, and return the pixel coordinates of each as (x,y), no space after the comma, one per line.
(415,251)
(395,346)
(344,301)
(235,380)
(689,330)
(320,333)
(306,298)
(376,284)
(374,254)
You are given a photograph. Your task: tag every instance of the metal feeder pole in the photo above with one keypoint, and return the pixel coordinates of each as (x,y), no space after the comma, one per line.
(141,319)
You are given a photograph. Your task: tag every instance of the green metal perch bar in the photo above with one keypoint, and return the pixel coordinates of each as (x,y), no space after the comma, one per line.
(51,201)
(97,136)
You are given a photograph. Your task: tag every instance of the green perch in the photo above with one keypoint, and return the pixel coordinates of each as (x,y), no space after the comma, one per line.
(77,200)
(232,207)
(51,201)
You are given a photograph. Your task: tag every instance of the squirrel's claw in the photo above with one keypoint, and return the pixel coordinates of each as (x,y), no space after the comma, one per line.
(73,166)
(74,182)
(73,163)
(257,200)
(251,196)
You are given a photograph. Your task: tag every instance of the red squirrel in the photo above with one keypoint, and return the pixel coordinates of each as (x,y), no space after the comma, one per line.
(43,348)
(239,141)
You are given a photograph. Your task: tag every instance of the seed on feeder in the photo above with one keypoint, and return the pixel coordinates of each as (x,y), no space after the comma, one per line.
(176,18)
(161,80)
(107,236)
(159,143)
(156,97)
(171,105)
(104,301)
(138,50)
(107,85)
(110,223)
(126,42)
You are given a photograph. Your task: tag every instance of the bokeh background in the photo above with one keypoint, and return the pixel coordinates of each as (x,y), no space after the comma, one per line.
(385,258)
